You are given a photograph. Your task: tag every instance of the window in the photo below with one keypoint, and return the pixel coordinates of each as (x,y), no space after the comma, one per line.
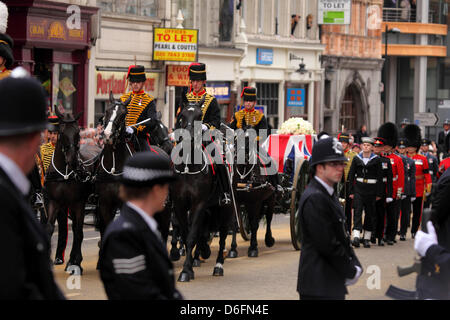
(226,19)
(268,96)
(146,8)
(187,8)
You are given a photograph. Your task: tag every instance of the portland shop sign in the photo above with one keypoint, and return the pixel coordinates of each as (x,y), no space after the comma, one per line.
(175,44)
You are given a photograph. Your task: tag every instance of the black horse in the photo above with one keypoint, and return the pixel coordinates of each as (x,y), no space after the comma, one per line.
(66,189)
(159,135)
(255,194)
(195,195)
(110,165)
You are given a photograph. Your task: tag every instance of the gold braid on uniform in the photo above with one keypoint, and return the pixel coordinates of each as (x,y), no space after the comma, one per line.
(197,98)
(46,154)
(134,108)
(252,118)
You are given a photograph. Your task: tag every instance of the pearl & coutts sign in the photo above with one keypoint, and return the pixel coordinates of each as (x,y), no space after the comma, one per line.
(175,44)
(334,11)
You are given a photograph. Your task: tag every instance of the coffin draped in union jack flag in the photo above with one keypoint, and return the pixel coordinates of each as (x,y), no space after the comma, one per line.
(285,146)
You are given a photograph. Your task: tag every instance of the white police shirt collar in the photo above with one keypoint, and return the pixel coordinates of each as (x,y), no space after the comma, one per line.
(329,189)
(15,174)
(151,222)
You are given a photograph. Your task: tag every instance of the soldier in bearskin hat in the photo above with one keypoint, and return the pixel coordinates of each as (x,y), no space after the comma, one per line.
(433,165)
(423,178)
(389,132)
(141,106)
(6,44)
(25,271)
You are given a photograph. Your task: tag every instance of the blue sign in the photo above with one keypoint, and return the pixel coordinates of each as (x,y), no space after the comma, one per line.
(296,97)
(264,56)
(220,90)
(261,109)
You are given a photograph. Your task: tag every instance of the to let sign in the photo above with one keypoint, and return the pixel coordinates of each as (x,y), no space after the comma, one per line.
(334,11)
(175,44)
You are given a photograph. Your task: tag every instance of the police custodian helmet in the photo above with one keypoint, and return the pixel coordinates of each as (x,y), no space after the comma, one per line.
(23,105)
(327,150)
(147,168)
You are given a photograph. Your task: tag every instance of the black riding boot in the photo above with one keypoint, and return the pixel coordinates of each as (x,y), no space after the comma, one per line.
(224,185)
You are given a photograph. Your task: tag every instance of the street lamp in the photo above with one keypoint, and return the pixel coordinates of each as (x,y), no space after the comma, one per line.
(387,30)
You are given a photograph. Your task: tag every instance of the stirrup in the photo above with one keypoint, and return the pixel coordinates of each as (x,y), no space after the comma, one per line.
(225,199)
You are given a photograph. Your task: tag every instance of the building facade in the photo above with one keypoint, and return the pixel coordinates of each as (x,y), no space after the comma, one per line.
(352,61)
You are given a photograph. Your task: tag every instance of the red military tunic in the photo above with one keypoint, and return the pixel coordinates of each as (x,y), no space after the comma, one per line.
(444,165)
(423,177)
(398,175)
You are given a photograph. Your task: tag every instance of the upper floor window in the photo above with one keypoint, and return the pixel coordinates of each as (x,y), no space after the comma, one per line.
(146,8)
(187,9)
(226,19)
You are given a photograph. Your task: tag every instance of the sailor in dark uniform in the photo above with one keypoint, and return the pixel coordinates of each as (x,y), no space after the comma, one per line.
(134,263)
(366,187)
(140,107)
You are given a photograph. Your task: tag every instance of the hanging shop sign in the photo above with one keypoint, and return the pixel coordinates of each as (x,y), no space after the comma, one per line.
(175,44)
(334,11)
(177,76)
(117,81)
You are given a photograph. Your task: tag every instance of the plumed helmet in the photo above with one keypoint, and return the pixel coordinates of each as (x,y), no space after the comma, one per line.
(197,71)
(327,150)
(389,133)
(136,74)
(6,43)
(413,136)
(343,137)
(147,168)
(248,94)
(23,107)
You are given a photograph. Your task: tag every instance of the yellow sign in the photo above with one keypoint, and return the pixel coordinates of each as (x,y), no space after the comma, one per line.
(67,87)
(175,44)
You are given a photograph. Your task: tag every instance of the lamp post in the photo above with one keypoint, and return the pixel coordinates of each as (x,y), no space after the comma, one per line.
(386,31)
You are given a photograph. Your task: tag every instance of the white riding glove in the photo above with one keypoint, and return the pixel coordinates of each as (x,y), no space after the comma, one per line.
(403,197)
(350,282)
(423,240)
(129,130)
(389,200)
(413,199)
(204,127)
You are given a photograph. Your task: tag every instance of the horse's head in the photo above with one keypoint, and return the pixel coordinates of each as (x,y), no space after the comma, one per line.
(114,120)
(190,113)
(160,135)
(69,137)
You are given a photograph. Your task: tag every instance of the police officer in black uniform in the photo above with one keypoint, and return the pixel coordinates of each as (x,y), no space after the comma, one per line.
(328,263)
(433,282)
(387,191)
(366,187)
(134,263)
(443,143)
(25,270)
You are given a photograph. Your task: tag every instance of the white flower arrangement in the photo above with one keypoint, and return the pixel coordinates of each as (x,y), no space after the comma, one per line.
(296,126)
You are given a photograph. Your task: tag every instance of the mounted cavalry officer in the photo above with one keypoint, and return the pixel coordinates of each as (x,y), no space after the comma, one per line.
(389,132)
(210,119)
(134,263)
(25,271)
(344,139)
(6,44)
(47,149)
(387,191)
(409,191)
(328,263)
(140,107)
(366,187)
(423,178)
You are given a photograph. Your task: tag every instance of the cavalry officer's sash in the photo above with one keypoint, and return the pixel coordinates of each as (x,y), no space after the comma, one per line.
(138,103)
(193,98)
(46,154)
(252,118)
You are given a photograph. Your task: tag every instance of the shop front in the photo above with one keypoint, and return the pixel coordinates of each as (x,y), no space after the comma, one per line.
(53,50)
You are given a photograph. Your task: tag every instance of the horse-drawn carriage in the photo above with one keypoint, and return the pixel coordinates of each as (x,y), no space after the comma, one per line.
(291,154)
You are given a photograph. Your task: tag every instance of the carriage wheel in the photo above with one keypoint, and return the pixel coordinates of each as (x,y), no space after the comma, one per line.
(244,223)
(301,178)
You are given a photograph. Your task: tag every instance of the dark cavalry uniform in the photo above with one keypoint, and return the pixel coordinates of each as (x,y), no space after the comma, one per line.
(134,263)
(210,108)
(433,282)
(47,151)
(141,107)
(252,118)
(366,184)
(327,258)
